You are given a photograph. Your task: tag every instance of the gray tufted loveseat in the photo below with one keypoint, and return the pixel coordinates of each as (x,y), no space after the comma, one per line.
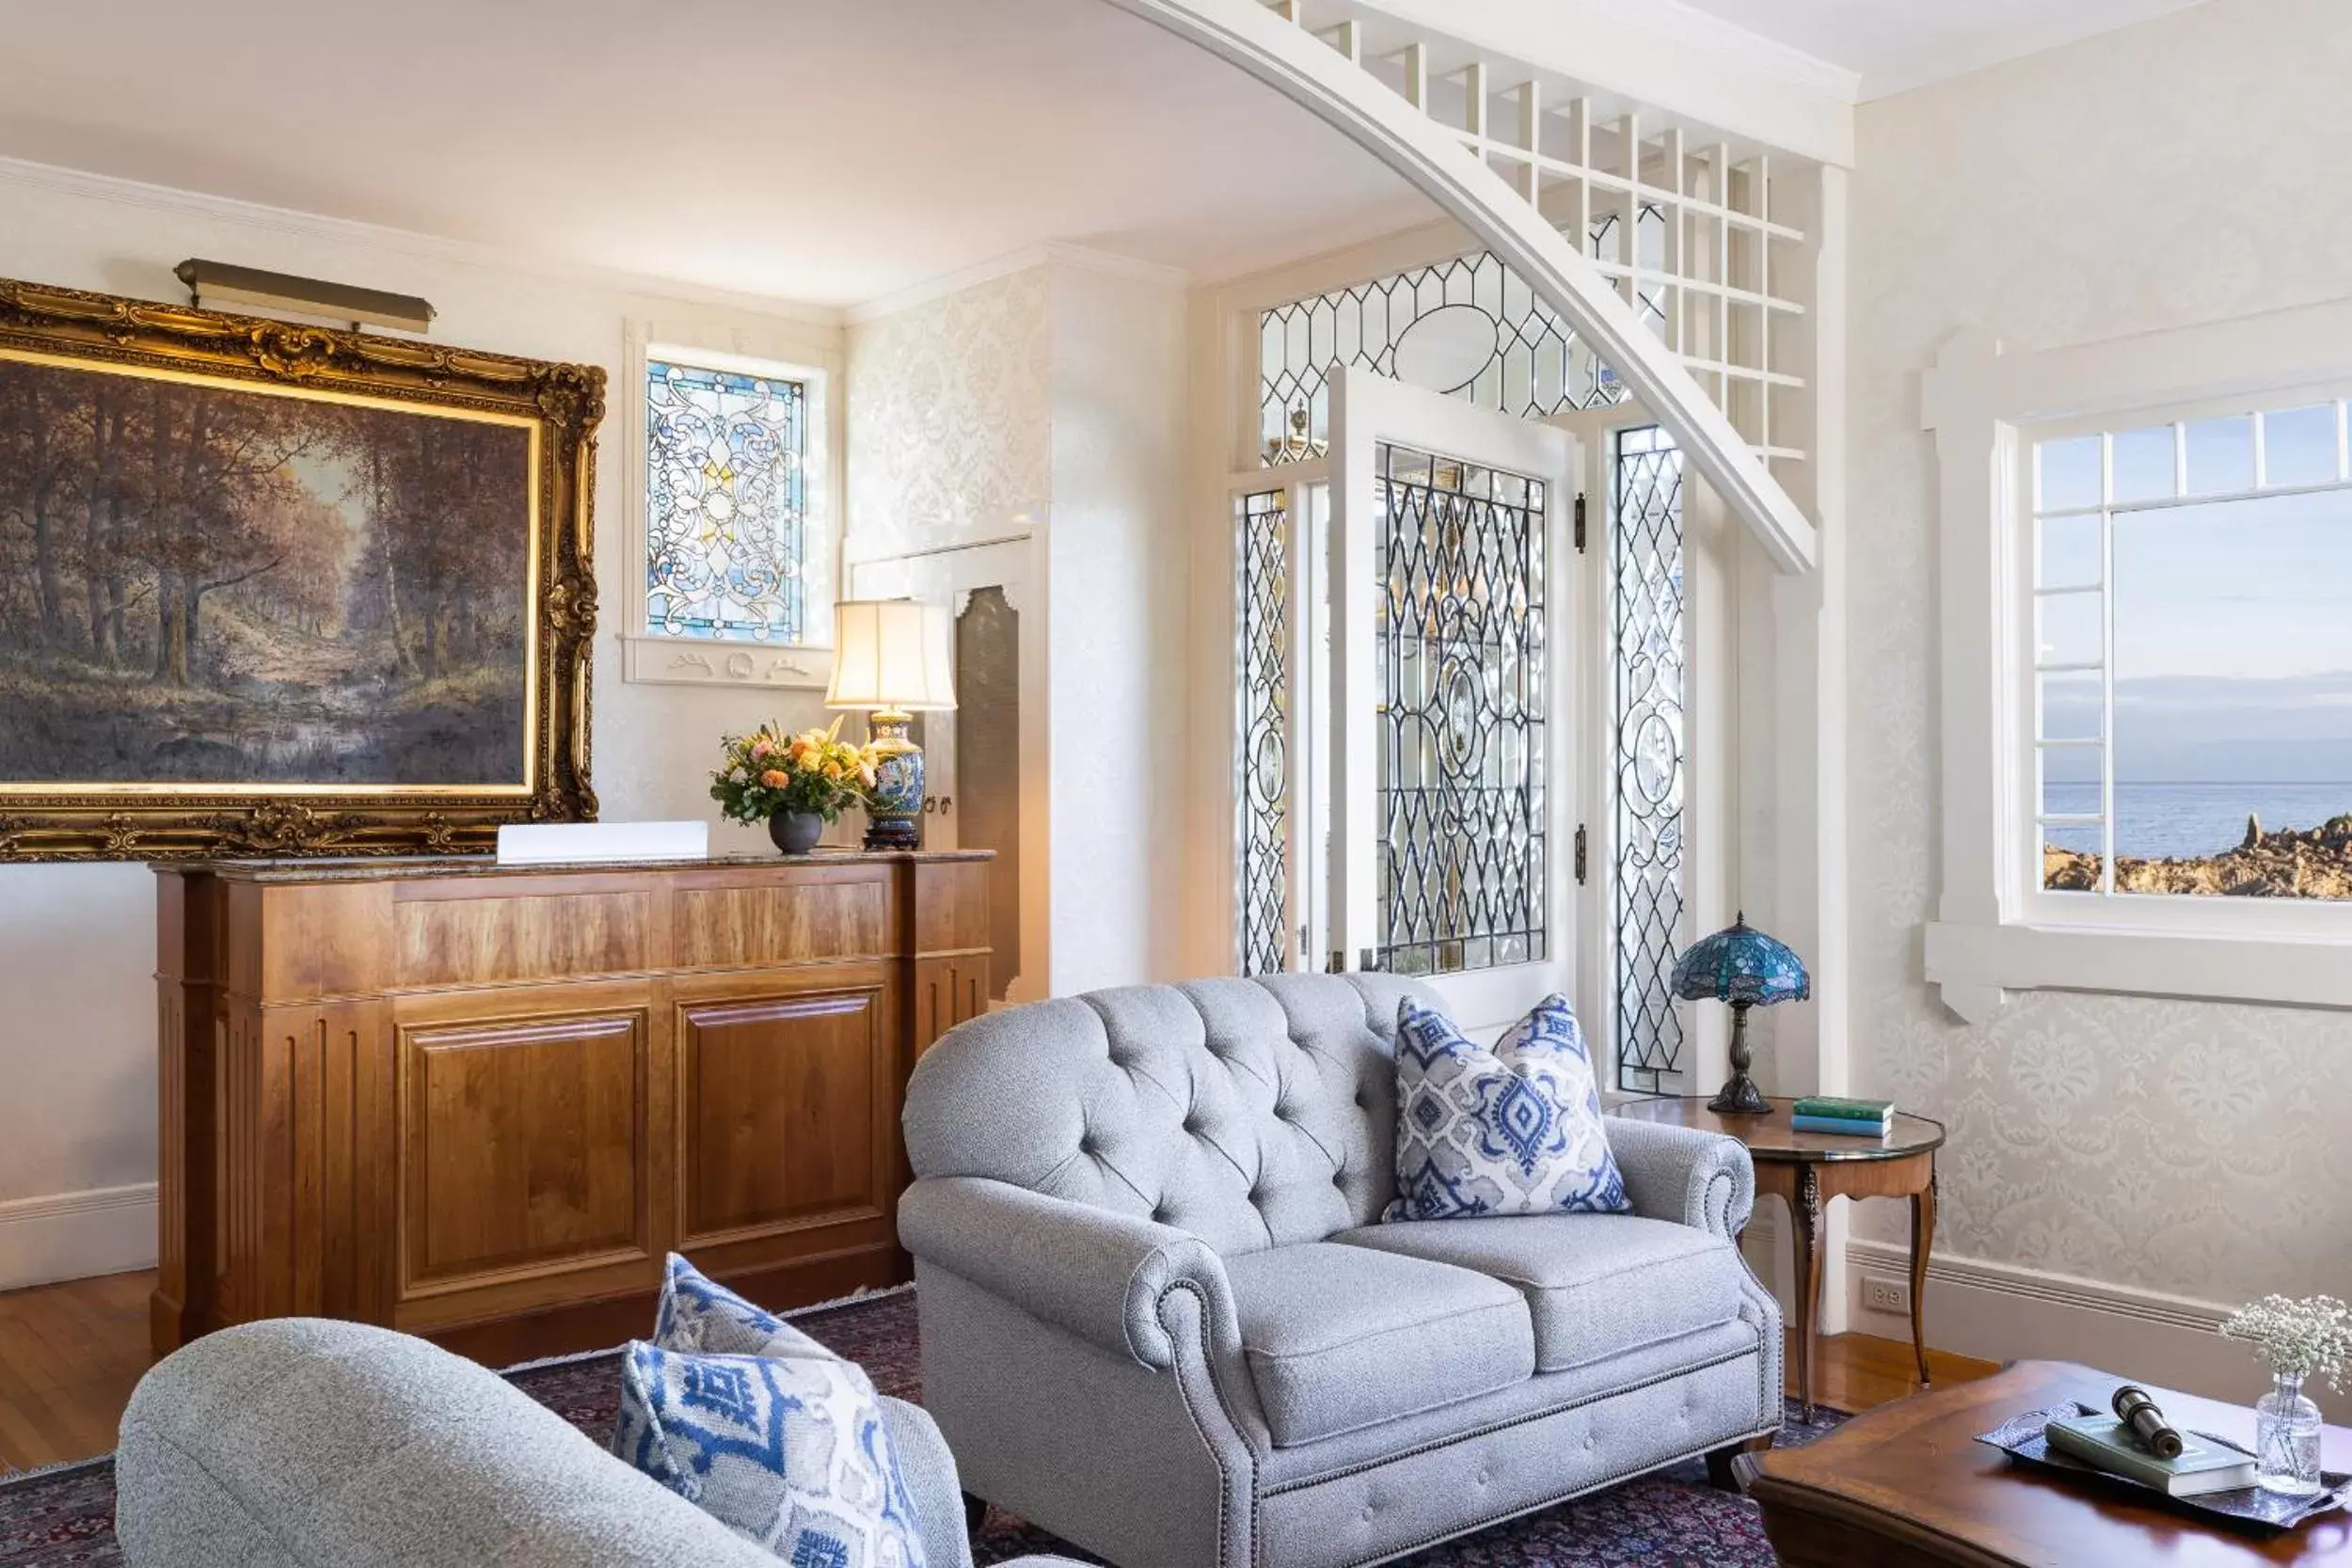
(1160,1319)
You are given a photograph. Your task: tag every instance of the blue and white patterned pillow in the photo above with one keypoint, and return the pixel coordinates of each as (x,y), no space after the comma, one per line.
(765,1429)
(1512,1131)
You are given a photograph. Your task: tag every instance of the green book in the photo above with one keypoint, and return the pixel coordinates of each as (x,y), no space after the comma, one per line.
(1843,1110)
(2106,1444)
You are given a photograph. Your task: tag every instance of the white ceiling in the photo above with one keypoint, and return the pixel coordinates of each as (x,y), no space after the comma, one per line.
(1896,45)
(831,151)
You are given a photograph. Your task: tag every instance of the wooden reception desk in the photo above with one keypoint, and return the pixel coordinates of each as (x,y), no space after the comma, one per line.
(479,1103)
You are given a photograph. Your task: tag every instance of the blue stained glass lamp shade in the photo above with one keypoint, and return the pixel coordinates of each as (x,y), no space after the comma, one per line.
(1743,966)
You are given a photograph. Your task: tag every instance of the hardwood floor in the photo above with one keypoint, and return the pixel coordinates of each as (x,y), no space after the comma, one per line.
(1860,1371)
(70,1354)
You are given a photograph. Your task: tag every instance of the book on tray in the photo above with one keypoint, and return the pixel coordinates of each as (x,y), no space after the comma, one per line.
(1859,1118)
(2107,1444)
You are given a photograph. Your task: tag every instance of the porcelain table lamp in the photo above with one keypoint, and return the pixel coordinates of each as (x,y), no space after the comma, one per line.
(890,659)
(1744,967)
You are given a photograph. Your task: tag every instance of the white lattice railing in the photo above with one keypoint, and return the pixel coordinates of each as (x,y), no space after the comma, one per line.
(1707,237)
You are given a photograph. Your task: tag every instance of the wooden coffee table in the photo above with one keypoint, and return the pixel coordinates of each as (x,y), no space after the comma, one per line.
(1905,1485)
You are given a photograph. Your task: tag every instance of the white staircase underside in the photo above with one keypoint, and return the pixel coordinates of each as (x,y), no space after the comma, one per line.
(1328,77)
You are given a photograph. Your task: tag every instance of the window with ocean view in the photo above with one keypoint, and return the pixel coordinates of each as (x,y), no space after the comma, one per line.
(2192,656)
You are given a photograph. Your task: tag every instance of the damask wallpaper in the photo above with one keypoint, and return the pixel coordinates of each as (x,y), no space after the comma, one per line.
(951,432)
(2186,1148)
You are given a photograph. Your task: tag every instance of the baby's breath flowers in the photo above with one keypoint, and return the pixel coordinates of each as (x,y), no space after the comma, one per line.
(2306,1337)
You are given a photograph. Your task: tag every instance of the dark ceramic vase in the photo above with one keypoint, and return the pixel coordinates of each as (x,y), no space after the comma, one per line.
(796,833)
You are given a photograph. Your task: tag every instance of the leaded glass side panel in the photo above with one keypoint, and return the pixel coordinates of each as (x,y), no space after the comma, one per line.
(1261,725)
(726,528)
(1647,739)
(1462,699)
(1468,327)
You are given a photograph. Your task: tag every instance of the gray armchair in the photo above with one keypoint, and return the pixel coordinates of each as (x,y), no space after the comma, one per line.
(301,1443)
(1160,1318)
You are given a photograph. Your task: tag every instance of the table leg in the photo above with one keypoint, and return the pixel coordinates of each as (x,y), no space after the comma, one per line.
(1922,1238)
(1808,1211)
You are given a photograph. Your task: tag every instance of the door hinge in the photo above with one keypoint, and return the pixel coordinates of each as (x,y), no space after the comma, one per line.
(1579,854)
(1580,522)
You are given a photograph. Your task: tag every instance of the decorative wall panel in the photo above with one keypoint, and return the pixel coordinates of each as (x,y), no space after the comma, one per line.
(988,764)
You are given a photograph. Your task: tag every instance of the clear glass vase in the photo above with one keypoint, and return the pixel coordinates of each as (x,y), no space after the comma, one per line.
(2287,1439)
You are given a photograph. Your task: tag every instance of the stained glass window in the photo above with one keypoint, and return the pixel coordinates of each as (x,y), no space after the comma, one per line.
(1647,729)
(1261,654)
(1463,684)
(726,536)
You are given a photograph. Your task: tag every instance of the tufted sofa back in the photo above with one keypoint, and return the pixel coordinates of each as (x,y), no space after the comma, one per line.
(1250,1113)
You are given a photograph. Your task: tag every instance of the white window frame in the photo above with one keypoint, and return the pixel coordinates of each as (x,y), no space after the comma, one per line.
(658,658)
(1996,928)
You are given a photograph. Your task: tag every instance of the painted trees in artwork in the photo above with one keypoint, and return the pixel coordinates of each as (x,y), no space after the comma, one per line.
(235,586)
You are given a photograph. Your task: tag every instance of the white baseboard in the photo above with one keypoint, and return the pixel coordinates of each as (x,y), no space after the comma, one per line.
(76,1235)
(2003,1312)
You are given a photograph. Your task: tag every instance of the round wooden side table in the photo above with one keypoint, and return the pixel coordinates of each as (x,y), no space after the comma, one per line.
(1807,1169)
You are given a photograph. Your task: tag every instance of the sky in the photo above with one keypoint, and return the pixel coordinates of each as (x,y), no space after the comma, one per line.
(2233,656)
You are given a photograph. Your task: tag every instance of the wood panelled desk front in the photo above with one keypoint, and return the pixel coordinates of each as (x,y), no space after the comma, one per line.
(479,1103)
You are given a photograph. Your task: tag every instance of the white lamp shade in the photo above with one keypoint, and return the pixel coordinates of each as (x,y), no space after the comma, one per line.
(891,653)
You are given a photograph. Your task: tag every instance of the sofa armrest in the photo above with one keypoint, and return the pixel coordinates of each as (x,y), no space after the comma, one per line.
(294,1442)
(1100,1274)
(1702,1179)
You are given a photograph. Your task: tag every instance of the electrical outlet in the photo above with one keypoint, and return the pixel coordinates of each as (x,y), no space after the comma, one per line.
(1881,1294)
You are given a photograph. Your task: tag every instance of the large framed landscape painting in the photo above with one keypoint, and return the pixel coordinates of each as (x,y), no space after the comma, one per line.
(269,589)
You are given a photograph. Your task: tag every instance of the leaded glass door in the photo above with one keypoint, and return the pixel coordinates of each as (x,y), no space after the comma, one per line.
(1452,582)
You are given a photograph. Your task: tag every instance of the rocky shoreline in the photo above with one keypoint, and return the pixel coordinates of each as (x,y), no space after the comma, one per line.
(2314,862)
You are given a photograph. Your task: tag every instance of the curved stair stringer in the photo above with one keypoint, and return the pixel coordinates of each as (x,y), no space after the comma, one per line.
(1320,79)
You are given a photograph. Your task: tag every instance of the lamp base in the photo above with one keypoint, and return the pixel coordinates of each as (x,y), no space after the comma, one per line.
(894,817)
(1740,1098)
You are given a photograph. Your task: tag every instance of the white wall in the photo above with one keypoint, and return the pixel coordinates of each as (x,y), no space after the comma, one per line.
(2183,170)
(1116,600)
(77,1047)
(1048,400)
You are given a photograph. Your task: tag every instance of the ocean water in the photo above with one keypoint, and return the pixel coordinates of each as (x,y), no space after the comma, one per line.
(2170,821)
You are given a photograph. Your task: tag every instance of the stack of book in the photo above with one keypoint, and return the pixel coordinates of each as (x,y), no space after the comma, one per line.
(1854,1119)
(2106,1444)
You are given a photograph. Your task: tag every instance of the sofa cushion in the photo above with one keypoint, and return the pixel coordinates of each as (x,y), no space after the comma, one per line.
(1512,1131)
(1341,1337)
(1596,1285)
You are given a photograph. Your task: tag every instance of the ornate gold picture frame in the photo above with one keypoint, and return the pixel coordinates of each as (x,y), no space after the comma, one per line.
(268,589)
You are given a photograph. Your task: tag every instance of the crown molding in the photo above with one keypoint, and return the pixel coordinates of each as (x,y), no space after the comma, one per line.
(1050,253)
(406,242)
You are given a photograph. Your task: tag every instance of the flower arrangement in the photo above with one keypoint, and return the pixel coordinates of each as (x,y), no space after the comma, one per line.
(770,771)
(2299,1338)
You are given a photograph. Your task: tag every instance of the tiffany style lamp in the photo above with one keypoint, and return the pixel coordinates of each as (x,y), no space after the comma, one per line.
(1744,967)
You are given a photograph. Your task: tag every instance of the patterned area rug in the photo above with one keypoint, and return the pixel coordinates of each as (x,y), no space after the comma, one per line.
(1673,1519)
